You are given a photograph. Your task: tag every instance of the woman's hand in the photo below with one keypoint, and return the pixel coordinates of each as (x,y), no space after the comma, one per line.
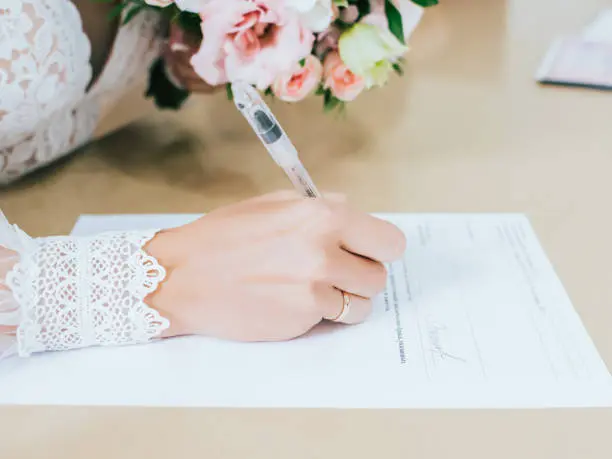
(271,268)
(177,54)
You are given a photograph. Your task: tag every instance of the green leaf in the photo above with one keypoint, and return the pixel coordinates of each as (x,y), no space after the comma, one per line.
(425,3)
(302,62)
(269,92)
(398,69)
(161,89)
(117,10)
(395,20)
(132,13)
(330,103)
(190,22)
(228,91)
(341,3)
(326,96)
(320,91)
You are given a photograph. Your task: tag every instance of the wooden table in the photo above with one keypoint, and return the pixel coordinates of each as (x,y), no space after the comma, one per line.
(467,129)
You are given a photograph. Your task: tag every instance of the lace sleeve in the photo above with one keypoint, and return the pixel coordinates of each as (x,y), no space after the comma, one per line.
(61,293)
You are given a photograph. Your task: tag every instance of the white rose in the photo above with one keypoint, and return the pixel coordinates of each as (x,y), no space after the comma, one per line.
(191,6)
(317,14)
(410,11)
(368,50)
(411,16)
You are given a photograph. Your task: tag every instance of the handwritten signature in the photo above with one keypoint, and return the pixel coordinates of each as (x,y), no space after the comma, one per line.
(437,348)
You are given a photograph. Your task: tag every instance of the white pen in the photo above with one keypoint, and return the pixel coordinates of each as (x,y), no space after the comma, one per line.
(274,138)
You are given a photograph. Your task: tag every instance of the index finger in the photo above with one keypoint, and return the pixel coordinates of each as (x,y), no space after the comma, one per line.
(371,237)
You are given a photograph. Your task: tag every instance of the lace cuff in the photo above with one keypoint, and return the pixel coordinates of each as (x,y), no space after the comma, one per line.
(73,292)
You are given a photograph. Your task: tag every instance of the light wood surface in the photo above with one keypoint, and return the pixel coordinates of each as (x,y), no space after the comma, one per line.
(467,129)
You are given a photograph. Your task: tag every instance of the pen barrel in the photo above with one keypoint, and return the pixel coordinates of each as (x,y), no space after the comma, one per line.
(274,138)
(301,181)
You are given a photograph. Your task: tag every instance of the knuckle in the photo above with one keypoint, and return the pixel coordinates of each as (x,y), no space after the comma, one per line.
(327,218)
(318,219)
(311,207)
(284,194)
(340,198)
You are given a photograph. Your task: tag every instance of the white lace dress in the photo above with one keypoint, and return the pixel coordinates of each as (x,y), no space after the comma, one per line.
(45,111)
(65,292)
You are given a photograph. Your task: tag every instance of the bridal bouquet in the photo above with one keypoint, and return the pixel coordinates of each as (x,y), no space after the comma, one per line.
(291,49)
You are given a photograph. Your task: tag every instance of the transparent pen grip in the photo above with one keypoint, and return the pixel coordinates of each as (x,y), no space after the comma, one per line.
(301,180)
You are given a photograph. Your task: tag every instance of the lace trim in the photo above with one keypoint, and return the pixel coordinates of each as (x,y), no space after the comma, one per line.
(80,292)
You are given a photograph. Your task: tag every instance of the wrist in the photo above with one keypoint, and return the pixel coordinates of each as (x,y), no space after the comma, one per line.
(163,248)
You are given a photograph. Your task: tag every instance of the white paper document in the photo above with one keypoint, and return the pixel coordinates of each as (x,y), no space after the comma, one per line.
(583,60)
(473,317)
(600,30)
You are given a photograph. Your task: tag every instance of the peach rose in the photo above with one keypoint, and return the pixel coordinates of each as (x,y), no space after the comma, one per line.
(249,40)
(337,77)
(295,85)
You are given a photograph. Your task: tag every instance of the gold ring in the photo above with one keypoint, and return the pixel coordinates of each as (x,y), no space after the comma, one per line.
(346,307)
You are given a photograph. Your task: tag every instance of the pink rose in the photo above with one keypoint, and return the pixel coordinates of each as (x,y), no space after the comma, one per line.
(295,85)
(343,83)
(249,40)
